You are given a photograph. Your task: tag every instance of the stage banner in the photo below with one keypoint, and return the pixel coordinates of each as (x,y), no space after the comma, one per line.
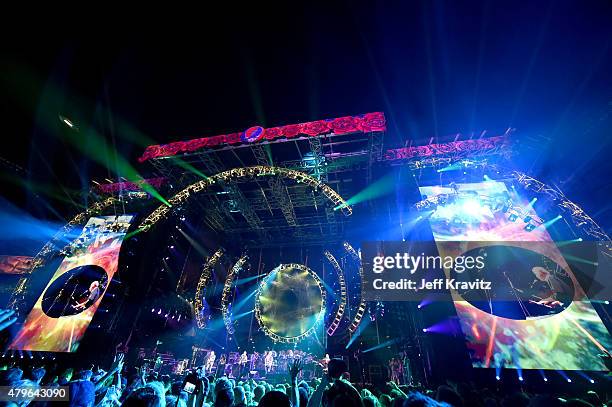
(528,333)
(66,307)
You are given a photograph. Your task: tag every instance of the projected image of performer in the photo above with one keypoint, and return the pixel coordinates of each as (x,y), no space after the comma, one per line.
(74,291)
(549,290)
(87,297)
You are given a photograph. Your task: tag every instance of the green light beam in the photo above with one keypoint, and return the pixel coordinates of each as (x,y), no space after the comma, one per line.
(381,187)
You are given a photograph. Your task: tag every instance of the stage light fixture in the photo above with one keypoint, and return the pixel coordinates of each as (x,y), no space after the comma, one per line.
(512,217)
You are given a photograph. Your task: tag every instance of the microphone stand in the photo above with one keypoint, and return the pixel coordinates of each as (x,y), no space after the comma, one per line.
(518,298)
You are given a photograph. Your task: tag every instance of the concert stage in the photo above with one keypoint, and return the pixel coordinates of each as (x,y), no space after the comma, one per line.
(242,253)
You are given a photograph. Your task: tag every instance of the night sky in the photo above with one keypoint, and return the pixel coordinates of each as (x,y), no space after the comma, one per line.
(435,68)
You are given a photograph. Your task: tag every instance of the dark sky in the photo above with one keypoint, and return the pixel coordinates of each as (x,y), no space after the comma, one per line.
(434,67)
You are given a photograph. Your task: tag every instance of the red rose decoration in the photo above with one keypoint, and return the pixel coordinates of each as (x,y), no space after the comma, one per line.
(424,151)
(173,148)
(315,128)
(180,146)
(466,145)
(291,130)
(409,152)
(273,133)
(151,152)
(391,155)
(344,125)
(233,138)
(373,122)
(193,145)
(444,148)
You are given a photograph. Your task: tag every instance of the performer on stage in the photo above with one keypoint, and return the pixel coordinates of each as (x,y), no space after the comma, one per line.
(395,370)
(406,370)
(325,361)
(282,361)
(290,356)
(221,365)
(268,361)
(242,362)
(210,361)
(254,360)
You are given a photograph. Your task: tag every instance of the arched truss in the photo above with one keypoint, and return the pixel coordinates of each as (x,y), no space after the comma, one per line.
(290,339)
(236,173)
(351,251)
(361,309)
(580,218)
(202,282)
(246,172)
(227,293)
(50,246)
(343,293)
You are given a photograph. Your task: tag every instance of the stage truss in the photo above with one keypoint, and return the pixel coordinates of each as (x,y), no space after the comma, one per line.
(227,293)
(343,294)
(246,172)
(202,282)
(361,309)
(581,220)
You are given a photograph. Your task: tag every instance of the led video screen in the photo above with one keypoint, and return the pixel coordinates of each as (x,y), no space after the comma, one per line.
(72,296)
(513,335)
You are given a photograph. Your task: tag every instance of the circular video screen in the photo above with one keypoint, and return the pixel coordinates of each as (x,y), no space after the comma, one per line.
(290,302)
(74,291)
(524,284)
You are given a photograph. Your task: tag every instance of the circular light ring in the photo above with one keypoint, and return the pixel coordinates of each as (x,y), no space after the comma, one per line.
(202,282)
(258,306)
(246,172)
